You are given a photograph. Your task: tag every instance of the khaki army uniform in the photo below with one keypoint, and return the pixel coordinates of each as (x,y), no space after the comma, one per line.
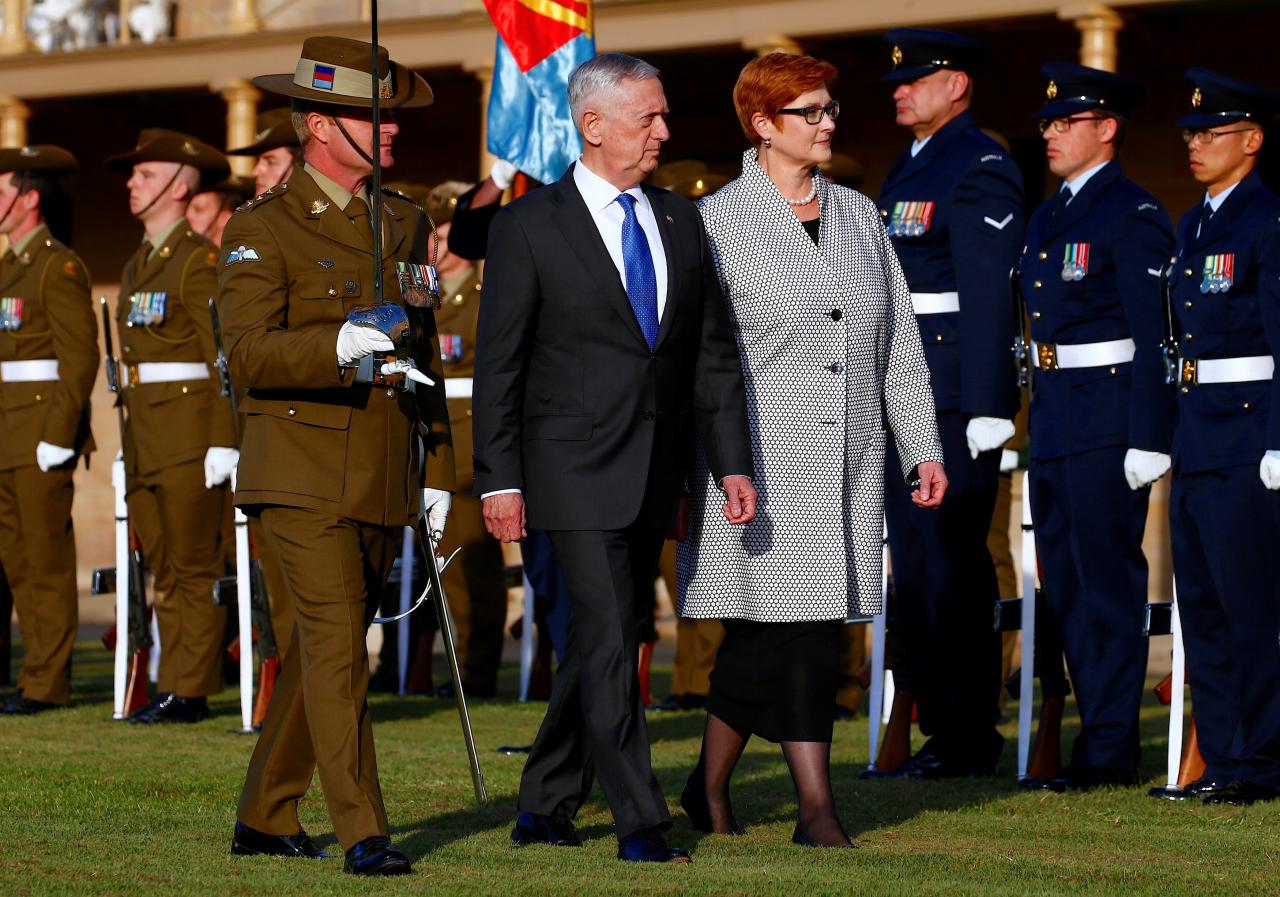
(333,468)
(473,582)
(171,425)
(55,326)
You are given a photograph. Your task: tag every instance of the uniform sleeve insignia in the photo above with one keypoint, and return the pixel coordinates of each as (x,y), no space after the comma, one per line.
(242,254)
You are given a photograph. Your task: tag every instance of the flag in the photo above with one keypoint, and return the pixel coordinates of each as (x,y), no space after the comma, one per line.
(540,43)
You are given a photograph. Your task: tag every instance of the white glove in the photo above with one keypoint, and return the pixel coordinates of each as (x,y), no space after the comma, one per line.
(986,434)
(49,456)
(356,341)
(1142,468)
(435,507)
(407,367)
(503,173)
(1269,470)
(219,464)
(1008,460)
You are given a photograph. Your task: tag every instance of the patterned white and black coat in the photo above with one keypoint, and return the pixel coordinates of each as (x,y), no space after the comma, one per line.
(831,356)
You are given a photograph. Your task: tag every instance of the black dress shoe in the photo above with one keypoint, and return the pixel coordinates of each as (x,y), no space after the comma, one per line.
(1197,790)
(648,846)
(928,766)
(21,706)
(534,828)
(376,856)
(670,702)
(801,837)
(247,841)
(174,709)
(694,801)
(1084,778)
(1242,793)
(159,699)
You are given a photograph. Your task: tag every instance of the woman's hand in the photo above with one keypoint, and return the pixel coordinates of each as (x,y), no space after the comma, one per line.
(740,500)
(933,485)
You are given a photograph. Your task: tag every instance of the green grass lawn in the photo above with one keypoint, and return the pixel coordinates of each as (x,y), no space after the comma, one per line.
(91,806)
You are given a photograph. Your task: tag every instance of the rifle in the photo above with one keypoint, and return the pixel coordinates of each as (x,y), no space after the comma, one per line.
(132,614)
(1021,348)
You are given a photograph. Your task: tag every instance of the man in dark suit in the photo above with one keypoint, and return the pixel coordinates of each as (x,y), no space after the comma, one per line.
(603,341)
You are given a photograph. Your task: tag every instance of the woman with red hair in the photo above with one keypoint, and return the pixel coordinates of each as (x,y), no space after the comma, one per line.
(832,360)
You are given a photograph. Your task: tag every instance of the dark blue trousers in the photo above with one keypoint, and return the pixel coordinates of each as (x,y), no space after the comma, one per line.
(1227,566)
(944,597)
(1088,526)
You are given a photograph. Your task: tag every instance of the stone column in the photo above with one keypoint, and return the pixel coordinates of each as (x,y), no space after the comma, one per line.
(13,122)
(772,43)
(14,38)
(125,36)
(1098,26)
(483,72)
(241,98)
(243,18)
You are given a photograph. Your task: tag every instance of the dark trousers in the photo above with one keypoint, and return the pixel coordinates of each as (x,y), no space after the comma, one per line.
(318,720)
(1223,525)
(551,593)
(1088,526)
(594,722)
(944,594)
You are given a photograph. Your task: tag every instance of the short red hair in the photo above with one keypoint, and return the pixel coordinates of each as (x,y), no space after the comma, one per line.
(767,83)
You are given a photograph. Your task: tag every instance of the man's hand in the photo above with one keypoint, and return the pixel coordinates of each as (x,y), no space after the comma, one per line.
(933,485)
(740,500)
(49,456)
(504,516)
(356,341)
(435,508)
(1142,468)
(219,464)
(985,434)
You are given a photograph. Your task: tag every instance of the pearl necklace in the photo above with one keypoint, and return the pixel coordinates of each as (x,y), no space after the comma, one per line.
(806,199)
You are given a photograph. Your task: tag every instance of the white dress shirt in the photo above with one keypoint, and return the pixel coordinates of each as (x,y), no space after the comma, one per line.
(601,198)
(917,145)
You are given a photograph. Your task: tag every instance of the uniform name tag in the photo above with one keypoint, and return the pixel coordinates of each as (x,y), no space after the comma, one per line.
(11,313)
(450,348)
(1219,273)
(910,219)
(1075,261)
(147,309)
(419,285)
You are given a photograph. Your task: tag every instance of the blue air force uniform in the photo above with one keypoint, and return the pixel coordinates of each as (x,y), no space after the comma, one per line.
(1090,277)
(1225,297)
(954,212)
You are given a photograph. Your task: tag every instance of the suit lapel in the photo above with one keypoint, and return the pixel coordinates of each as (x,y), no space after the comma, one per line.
(579,228)
(1222,219)
(670,248)
(326,217)
(394,231)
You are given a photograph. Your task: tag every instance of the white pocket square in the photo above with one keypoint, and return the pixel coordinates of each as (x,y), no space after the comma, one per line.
(999,225)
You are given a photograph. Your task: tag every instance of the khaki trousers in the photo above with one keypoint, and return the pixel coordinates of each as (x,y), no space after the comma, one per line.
(179,523)
(335,570)
(38,550)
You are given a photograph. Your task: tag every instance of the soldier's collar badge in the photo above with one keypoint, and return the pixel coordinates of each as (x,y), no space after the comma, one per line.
(318,206)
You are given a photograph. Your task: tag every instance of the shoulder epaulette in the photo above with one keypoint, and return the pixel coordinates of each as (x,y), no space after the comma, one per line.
(276,191)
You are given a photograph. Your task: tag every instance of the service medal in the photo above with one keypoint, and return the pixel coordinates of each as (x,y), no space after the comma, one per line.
(910,218)
(147,309)
(450,348)
(1075,262)
(1219,273)
(11,313)
(419,285)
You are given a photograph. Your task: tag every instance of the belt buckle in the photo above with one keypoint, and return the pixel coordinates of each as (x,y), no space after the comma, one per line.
(131,372)
(1047,356)
(1190,372)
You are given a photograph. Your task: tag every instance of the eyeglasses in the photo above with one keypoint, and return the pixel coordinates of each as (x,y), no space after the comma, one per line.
(813,114)
(1206,137)
(1063,125)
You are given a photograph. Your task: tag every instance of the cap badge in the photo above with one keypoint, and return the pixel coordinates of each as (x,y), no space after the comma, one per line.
(1196,98)
(29,152)
(384,91)
(318,206)
(190,148)
(896,55)
(1052,90)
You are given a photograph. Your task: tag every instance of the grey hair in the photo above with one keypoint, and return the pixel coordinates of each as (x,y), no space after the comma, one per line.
(602,74)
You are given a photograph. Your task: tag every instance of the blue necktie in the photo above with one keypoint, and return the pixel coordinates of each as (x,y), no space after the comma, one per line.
(637,261)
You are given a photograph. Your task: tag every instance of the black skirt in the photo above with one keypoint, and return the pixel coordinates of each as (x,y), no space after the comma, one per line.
(777,680)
